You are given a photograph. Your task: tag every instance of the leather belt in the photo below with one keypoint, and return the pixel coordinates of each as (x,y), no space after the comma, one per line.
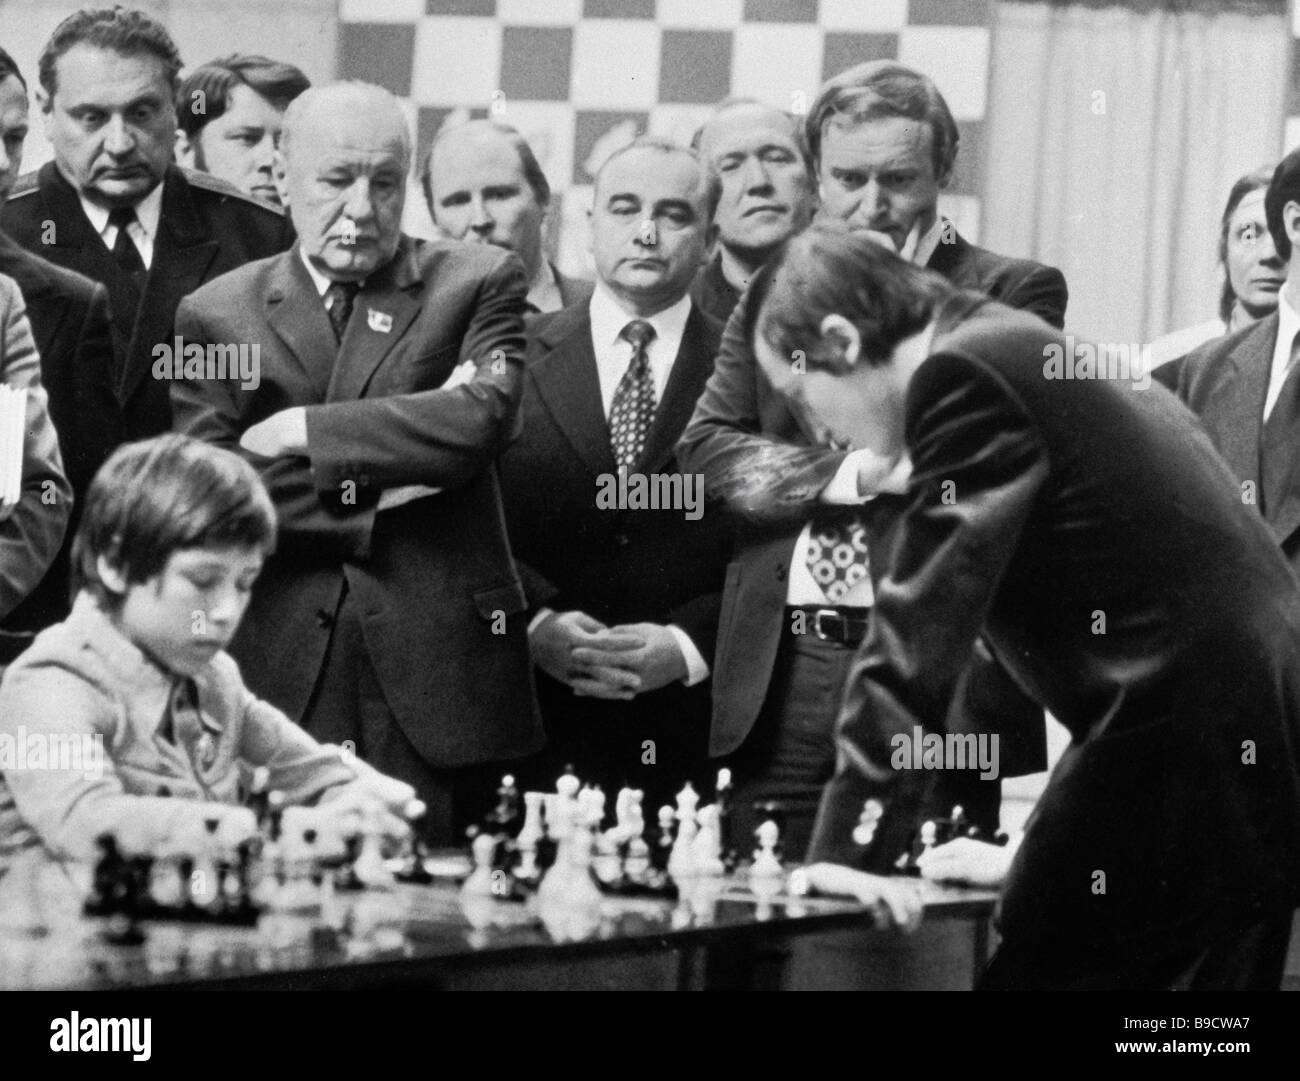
(844,625)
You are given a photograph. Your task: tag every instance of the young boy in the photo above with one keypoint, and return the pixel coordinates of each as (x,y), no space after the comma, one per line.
(129,718)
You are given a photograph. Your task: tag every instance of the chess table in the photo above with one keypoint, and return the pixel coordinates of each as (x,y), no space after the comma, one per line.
(432,937)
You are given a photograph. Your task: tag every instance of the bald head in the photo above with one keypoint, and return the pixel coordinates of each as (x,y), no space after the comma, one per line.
(343,160)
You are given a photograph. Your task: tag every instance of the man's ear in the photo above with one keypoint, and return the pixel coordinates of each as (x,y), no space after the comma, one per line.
(1291,223)
(841,338)
(184,151)
(110,575)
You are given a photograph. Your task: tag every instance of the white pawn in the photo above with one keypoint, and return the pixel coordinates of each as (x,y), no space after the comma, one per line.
(530,834)
(766,865)
(565,806)
(479,883)
(369,866)
(707,847)
(681,863)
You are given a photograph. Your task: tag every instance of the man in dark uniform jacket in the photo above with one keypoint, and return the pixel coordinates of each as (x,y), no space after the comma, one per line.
(70,325)
(1115,572)
(113,207)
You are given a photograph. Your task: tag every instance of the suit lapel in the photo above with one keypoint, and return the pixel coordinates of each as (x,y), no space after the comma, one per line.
(383,313)
(1234,407)
(296,313)
(183,251)
(691,370)
(569,387)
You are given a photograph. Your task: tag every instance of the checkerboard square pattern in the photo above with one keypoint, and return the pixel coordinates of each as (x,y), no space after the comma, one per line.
(535,62)
(695,66)
(580,78)
(844,50)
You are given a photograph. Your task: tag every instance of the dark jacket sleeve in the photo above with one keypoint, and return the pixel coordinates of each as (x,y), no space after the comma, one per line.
(963,427)
(208,409)
(755,475)
(1041,290)
(444,437)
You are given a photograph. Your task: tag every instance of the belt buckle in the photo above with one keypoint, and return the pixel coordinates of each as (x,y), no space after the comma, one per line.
(817,624)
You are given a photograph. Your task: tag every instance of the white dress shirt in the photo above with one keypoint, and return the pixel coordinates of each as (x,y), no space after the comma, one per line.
(1288,325)
(148,212)
(613,355)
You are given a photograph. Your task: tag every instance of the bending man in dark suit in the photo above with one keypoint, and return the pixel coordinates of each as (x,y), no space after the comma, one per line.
(631,591)
(388,384)
(70,325)
(1165,851)
(483,185)
(883,143)
(111,205)
(1246,387)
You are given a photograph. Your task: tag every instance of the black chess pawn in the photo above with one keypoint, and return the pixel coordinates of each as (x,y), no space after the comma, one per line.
(104,885)
(505,817)
(347,878)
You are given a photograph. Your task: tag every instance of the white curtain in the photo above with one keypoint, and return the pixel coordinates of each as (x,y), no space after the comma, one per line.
(1114,134)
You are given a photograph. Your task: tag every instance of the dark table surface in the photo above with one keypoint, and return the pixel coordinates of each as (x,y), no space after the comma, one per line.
(411,932)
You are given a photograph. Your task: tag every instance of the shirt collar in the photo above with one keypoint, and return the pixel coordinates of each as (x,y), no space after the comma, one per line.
(608,318)
(148,212)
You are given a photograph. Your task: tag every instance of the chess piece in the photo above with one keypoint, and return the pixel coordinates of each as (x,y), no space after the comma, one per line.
(726,834)
(706,849)
(370,867)
(663,846)
(505,816)
(480,881)
(561,816)
(681,861)
(766,865)
(530,836)
(865,831)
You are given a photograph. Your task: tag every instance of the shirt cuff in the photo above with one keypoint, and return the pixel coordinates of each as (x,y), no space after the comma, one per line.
(843,488)
(697,669)
(542,613)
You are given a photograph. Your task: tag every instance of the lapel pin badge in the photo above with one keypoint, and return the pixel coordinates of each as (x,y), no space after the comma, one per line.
(381,322)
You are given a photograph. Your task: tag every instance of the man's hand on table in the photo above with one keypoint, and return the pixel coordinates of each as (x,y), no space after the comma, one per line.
(894,902)
(968,862)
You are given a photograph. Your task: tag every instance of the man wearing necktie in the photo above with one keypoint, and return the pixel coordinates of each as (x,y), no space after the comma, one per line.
(112,206)
(1246,387)
(627,597)
(391,617)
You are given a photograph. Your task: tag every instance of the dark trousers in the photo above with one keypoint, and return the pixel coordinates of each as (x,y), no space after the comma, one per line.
(790,754)
(1242,959)
(348,707)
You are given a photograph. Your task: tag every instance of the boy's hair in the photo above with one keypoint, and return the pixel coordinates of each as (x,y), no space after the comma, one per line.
(160,495)
(9,66)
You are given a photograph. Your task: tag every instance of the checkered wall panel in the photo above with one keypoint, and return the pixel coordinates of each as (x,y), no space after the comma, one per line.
(580,78)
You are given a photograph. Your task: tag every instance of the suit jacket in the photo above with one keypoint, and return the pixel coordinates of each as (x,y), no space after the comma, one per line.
(623,565)
(711,291)
(1146,608)
(443,624)
(1225,382)
(572,290)
(70,324)
(32,530)
(206,228)
(740,415)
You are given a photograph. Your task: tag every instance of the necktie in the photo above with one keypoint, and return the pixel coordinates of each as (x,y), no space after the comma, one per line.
(1278,446)
(837,553)
(340,297)
(185,725)
(125,253)
(633,409)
